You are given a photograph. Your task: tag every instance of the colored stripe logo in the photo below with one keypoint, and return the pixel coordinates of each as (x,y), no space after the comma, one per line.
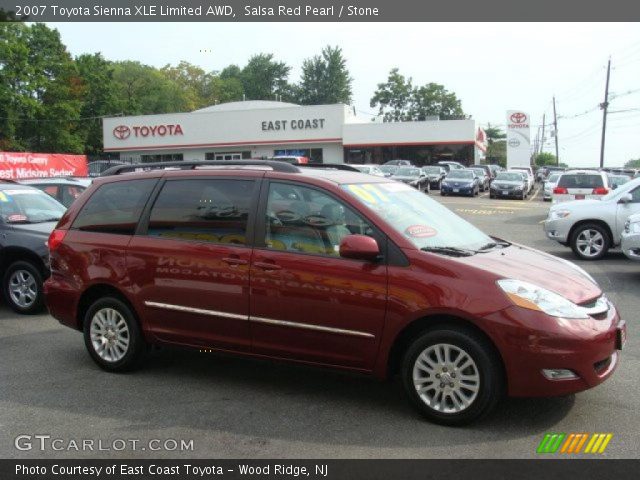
(573,443)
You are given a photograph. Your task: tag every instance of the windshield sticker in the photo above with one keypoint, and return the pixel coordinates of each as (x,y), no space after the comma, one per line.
(3,197)
(22,192)
(420,231)
(16,218)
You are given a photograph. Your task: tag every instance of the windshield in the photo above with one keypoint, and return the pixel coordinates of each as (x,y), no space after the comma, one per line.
(408,172)
(523,169)
(422,220)
(432,169)
(509,177)
(553,178)
(388,168)
(478,171)
(29,206)
(466,174)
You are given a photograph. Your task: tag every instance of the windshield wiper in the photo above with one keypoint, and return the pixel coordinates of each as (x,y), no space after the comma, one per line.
(496,243)
(52,219)
(452,251)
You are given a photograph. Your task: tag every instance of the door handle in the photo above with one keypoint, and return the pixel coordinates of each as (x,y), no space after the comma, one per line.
(234,261)
(267,265)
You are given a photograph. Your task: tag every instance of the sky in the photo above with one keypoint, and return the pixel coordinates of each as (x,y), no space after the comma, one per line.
(491,67)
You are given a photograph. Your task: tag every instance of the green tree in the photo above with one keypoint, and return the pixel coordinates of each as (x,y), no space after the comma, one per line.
(494,133)
(325,79)
(393,98)
(545,158)
(398,100)
(100,98)
(262,78)
(497,152)
(192,80)
(632,164)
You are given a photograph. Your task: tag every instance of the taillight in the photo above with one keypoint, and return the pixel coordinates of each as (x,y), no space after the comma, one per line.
(600,191)
(55,239)
(560,191)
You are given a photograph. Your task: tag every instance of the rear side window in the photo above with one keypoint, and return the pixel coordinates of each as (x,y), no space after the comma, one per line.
(580,181)
(115,207)
(204,210)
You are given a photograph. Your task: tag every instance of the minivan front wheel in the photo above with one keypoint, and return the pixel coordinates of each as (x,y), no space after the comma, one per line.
(590,241)
(22,285)
(112,335)
(452,376)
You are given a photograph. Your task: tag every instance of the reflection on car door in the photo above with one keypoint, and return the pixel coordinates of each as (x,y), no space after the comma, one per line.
(623,211)
(190,264)
(308,303)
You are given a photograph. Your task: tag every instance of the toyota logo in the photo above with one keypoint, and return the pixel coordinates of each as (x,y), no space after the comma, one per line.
(514,142)
(518,117)
(121,132)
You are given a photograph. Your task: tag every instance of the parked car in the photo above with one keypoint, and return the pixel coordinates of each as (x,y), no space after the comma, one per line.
(64,190)
(412,176)
(616,180)
(327,268)
(592,227)
(370,169)
(406,163)
(389,170)
(436,175)
(495,169)
(531,180)
(460,182)
(526,178)
(581,185)
(27,217)
(509,185)
(483,178)
(487,169)
(630,241)
(452,165)
(549,184)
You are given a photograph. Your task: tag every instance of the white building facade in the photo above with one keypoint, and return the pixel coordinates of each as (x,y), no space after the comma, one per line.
(258,129)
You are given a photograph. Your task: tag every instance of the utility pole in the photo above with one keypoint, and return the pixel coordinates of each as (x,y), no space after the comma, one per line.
(542,137)
(555,129)
(604,106)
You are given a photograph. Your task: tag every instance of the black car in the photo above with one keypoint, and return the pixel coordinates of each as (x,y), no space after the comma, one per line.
(461,182)
(389,170)
(436,174)
(27,218)
(509,185)
(487,169)
(483,178)
(406,163)
(64,190)
(412,176)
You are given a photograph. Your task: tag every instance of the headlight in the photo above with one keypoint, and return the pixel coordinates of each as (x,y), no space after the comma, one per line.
(532,297)
(557,214)
(517,189)
(632,227)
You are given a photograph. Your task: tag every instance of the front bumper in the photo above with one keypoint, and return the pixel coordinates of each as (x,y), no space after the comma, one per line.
(531,342)
(631,245)
(498,193)
(557,229)
(450,190)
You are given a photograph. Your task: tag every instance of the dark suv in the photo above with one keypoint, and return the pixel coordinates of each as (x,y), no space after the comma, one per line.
(27,217)
(328,267)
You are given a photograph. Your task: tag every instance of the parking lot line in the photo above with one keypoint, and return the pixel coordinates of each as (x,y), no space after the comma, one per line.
(535,194)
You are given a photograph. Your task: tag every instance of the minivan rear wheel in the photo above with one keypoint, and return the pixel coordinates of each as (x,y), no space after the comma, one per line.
(112,335)
(590,241)
(452,376)
(22,287)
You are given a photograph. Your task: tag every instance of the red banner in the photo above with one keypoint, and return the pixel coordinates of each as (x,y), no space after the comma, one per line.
(16,165)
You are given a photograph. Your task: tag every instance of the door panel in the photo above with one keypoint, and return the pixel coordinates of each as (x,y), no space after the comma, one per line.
(308,303)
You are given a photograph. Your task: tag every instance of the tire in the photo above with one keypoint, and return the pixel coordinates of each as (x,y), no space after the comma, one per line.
(442,193)
(443,404)
(523,196)
(22,287)
(491,195)
(98,326)
(600,241)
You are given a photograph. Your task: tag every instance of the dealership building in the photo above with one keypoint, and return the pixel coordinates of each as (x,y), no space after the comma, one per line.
(257,129)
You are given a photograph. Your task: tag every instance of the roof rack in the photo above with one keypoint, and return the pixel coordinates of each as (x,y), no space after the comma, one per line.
(335,166)
(192,165)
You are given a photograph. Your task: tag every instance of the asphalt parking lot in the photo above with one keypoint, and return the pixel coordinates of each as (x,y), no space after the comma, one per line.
(238,408)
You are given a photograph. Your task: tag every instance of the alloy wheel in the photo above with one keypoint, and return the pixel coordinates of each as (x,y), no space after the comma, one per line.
(109,334)
(23,288)
(590,243)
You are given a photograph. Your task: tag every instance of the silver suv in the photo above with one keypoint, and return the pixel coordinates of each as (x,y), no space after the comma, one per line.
(591,227)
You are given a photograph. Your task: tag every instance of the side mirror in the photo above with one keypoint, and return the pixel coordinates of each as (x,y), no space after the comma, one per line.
(359,247)
(626,198)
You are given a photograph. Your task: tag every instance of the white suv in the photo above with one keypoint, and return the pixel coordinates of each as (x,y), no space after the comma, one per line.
(591,227)
(581,185)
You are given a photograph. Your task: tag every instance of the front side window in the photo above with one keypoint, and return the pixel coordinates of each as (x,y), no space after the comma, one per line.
(204,210)
(115,207)
(305,220)
(422,220)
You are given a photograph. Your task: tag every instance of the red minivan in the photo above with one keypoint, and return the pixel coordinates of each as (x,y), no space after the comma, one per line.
(325,267)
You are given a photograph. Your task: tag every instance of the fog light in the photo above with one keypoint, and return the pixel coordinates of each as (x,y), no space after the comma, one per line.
(558,374)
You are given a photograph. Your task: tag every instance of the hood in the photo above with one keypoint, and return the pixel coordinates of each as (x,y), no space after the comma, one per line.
(508,182)
(43,229)
(523,263)
(403,178)
(458,180)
